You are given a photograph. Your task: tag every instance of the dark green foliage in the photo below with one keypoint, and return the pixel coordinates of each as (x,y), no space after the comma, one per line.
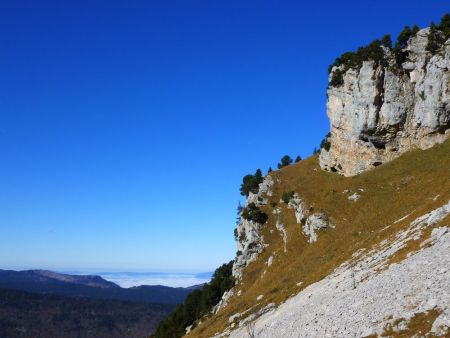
(298,159)
(354,60)
(444,26)
(197,304)
(235,234)
(270,170)
(50,315)
(435,39)
(337,79)
(287,196)
(400,55)
(238,211)
(386,41)
(285,161)
(242,237)
(402,42)
(403,37)
(253,213)
(325,143)
(250,183)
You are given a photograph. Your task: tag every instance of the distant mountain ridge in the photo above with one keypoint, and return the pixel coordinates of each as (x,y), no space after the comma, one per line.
(45,276)
(89,286)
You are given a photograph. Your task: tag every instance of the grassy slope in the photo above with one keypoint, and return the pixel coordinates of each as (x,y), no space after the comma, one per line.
(408,185)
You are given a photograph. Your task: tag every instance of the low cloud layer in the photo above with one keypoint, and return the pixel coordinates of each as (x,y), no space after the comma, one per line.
(130,279)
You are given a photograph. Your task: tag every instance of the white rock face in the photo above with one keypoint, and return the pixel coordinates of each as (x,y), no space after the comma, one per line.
(250,241)
(362,298)
(299,207)
(223,302)
(249,245)
(313,223)
(379,113)
(280,227)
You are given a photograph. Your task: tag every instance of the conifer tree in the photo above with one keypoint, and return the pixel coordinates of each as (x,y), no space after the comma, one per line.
(403,37)
(434,40)
(386,41)
(444,25)
(285,161)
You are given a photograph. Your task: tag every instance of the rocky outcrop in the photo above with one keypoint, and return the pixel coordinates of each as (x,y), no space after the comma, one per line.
(250,241)
(299,207)
(383,110)
(314,223)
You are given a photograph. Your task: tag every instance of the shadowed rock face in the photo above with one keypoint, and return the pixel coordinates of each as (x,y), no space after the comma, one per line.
(380,112)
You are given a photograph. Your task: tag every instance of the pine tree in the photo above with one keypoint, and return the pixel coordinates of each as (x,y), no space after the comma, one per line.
(285,161)
(298,159)
(444,25)
(403,37)
(386,41)
(434,39)
(250,183)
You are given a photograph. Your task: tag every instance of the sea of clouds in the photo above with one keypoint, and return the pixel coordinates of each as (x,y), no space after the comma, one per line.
(130,279)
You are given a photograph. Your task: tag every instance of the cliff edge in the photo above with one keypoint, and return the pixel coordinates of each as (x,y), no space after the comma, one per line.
(383,108)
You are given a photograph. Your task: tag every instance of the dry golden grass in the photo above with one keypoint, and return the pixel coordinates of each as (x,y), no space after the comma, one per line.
(414,184)
(418,326)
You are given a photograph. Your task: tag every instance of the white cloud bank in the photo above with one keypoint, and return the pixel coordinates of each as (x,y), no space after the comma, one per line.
(130,279)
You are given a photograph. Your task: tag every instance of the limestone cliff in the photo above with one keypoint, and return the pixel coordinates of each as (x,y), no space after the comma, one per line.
(383,110)
(360,256)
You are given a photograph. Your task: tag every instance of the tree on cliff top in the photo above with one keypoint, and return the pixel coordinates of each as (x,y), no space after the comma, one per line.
(250,183)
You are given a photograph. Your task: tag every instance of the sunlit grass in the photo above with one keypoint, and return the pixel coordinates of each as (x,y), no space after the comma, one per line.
(414,184)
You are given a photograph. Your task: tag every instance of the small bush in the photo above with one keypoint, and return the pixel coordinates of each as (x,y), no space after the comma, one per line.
(287,196)
(325,143)
(253,213)
(298,159)
(242,237)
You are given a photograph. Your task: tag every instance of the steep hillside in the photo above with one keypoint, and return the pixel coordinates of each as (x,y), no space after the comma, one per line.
(326,255)
(390,198)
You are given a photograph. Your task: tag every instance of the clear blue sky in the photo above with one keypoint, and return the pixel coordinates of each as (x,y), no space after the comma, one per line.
(126,126)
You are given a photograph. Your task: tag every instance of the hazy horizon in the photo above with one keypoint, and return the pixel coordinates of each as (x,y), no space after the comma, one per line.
(127,279)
